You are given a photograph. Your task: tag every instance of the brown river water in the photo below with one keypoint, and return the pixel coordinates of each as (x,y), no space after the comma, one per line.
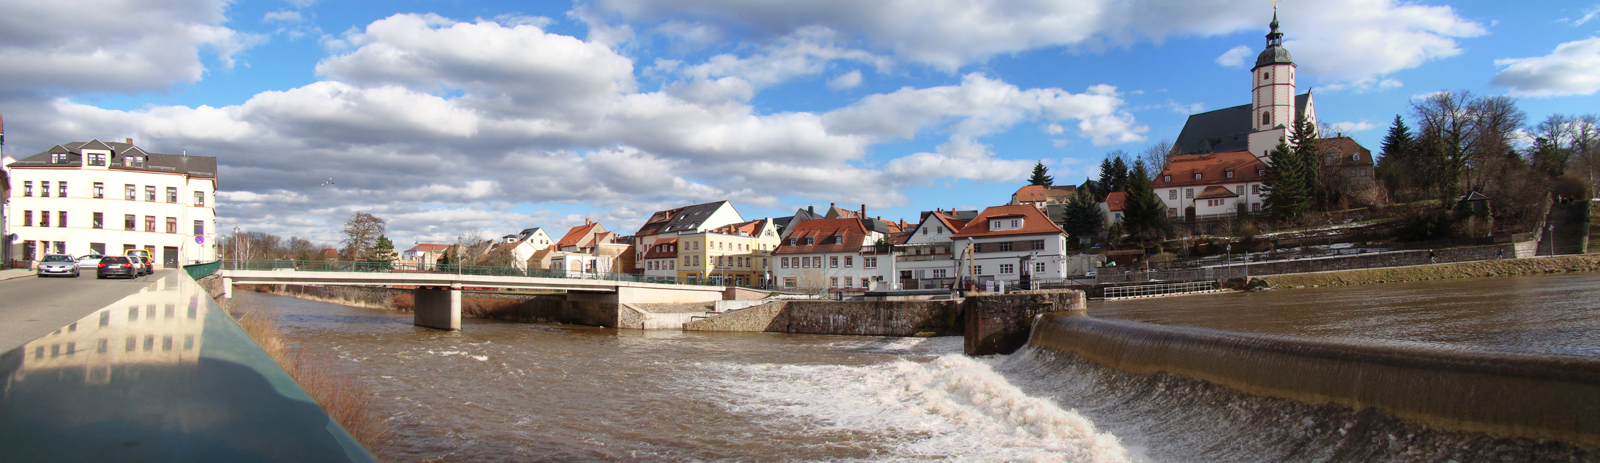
(525,392)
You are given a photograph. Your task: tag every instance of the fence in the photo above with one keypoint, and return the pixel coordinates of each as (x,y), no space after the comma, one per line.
(1159,289)
(479,270)
(198,271)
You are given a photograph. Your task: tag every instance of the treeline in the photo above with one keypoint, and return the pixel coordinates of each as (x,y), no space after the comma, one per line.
(1465,143)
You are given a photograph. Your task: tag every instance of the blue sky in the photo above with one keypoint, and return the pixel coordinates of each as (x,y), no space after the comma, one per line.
(445,117)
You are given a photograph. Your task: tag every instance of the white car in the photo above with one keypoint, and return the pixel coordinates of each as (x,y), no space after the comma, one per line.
(89,261)
(58,265)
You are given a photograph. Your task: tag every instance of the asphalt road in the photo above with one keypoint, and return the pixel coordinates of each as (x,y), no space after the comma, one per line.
(32,307)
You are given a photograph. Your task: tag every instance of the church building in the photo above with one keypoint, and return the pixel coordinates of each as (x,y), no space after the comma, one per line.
(1254,127)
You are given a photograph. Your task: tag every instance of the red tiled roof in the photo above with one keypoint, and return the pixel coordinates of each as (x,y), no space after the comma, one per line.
(425,247)
(1116,200)
(1340,148)
(1034,222)
(822,232)
(1041,193)
(577,236)
(1213,169)
(1216,191)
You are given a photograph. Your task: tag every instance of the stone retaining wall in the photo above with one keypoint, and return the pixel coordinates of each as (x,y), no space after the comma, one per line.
(1490,268)
(865,318)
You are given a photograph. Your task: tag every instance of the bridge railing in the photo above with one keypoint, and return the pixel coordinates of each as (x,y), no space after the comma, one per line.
(198,271)
(481,270)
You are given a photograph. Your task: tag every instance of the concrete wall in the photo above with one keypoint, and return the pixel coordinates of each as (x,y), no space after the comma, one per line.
(743,294)
(1000,324)
(631,294)
(866,318)
(727,306)
(437,308)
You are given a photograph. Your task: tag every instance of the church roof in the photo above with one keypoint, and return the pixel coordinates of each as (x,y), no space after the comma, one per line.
(1225,129)
(1273,55)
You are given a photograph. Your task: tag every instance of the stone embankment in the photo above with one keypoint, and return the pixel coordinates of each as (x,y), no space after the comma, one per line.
(1489,268)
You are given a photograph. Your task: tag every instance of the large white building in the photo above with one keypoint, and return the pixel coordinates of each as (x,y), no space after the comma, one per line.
(832,255)
(99,197)
(1006,242)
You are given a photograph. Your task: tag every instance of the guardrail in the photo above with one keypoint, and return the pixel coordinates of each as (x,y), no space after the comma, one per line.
(198,271)
(1158,289)
(477,270)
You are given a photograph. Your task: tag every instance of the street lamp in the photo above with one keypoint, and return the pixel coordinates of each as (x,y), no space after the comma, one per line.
(1552,240)
(236,248)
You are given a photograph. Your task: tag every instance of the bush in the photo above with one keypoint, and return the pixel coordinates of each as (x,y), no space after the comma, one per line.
(1438,225)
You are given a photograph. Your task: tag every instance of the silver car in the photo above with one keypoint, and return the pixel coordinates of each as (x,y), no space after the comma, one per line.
(89,261)
(58,265)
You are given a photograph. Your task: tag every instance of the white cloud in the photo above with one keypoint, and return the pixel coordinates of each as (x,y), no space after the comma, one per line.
(1235,57)
(847,80)
(958,158)
(1054,129)
(1588,15)
(1348,127)
(128,47)
(1572,69)
(982,106)
(287,16)
(1338,40)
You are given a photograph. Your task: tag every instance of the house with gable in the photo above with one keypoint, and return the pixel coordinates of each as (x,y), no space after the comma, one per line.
(736,254)
(515,249)
(926,259)
(833,255)
(1040,196)
(1111,209)
(1212,185)
(1007,243)
(671,223)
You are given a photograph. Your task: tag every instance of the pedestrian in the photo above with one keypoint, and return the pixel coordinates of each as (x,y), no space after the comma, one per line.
(1432,258)
(1500,253)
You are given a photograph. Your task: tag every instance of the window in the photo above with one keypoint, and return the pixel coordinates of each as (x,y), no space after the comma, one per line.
(1005,247)
(1355,157)
(149,223)
(172,194)
(172,224)
(1196,175)
(99,220)
(99,190)
(44,218)
(58,158)
(1239,190)
(849,261)
(869,262)
(697,261)
(27,218)
(1230,174)
(1188,193)
(1172,211)
(44,189)
(1255,207)
(199,198)
(833,282)
(1255,189)
(848,282)
(1036,245)
(864,282)
(129,192)
(1172,194)
(1264,76)
(1166,178)
(61,189)
(1016,223)
(61,219)
(1007,269)
(27,188)
(1266,117)
(810,240)
(128,222)
(149,193)
(791,241)
(784,262)
(816,261)
(135,161)
(1352,172)
(1261,172)
(839,239)
(789,282)
(1038,267)
(924,231)
(977,270)
(833,261)
(97,159)
(940,273)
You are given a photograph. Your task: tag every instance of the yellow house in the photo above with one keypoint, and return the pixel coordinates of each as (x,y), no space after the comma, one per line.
(739,254)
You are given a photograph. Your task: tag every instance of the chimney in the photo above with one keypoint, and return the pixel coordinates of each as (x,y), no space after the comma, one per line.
(586,221)
(863,211)
(811,209)
(130,140)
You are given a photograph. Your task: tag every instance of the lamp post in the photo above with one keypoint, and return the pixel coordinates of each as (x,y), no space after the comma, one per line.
(1552,240)
(236,248)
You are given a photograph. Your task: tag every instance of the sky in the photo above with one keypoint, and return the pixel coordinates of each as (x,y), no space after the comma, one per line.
(446,117)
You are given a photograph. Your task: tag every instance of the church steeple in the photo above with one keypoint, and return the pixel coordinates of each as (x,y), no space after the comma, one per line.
(1272,83)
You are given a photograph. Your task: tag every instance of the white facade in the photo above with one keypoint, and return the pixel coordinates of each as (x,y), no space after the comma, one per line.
(1178,199)
(836,270)
(76,207)
(1001,257)
(926,260)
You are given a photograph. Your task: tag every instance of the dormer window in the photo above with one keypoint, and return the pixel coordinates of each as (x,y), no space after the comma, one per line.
(97,159)
(58,158)
(1166,178)
(1196,175)
(1355,157)
(792,241)
(810,241)
(1230,174)
(838,239)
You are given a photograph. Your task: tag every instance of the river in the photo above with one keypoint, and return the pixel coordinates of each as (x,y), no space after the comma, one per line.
(516,392)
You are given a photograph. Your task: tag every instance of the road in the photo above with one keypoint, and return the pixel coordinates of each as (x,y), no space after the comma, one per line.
(32,307)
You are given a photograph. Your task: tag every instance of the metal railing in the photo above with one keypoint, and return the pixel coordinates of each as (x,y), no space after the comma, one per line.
(476,270)
(1159,289)
(198,271)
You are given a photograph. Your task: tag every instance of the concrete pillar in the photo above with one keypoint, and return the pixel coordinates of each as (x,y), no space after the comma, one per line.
(437,308)
(227,288)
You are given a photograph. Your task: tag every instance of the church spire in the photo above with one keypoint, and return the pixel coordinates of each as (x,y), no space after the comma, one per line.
(1274,38)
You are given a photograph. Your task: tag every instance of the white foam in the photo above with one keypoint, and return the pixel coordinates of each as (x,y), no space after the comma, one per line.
(953,407)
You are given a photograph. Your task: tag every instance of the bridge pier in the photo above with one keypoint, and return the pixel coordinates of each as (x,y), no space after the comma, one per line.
(437,308)
(227,288)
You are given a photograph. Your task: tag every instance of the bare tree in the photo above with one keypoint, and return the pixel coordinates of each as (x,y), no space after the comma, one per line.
(1156,157)
(1586,148)
(360,234)
(471,246)
(1446,127)
(811,282)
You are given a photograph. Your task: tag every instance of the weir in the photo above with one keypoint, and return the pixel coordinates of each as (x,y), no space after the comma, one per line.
(1515,394)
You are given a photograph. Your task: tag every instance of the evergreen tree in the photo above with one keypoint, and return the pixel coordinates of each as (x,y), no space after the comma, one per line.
(1397,162)
(1285,183)
(1304,137)
(1143,213)
(1119,171)
(1082,215)
(1039,176)
(383,251)
(1108,178)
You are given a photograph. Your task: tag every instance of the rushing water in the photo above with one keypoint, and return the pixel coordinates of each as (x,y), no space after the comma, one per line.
(513,392)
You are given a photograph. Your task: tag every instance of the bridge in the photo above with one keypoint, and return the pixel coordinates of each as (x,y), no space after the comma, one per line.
(437,289)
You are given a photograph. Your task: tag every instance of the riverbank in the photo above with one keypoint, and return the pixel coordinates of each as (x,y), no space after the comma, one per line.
(1482,269)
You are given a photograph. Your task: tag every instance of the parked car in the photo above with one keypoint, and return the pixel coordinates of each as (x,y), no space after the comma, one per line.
(58,265)
(146,265)
(117,266)
(1091,273)
(142,258)
(89,260)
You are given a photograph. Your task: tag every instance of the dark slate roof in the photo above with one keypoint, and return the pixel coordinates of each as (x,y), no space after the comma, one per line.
(689,218)
(1223,130)
(1273,55)
(196,166)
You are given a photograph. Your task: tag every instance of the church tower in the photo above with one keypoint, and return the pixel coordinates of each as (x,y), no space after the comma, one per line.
(1272,84)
